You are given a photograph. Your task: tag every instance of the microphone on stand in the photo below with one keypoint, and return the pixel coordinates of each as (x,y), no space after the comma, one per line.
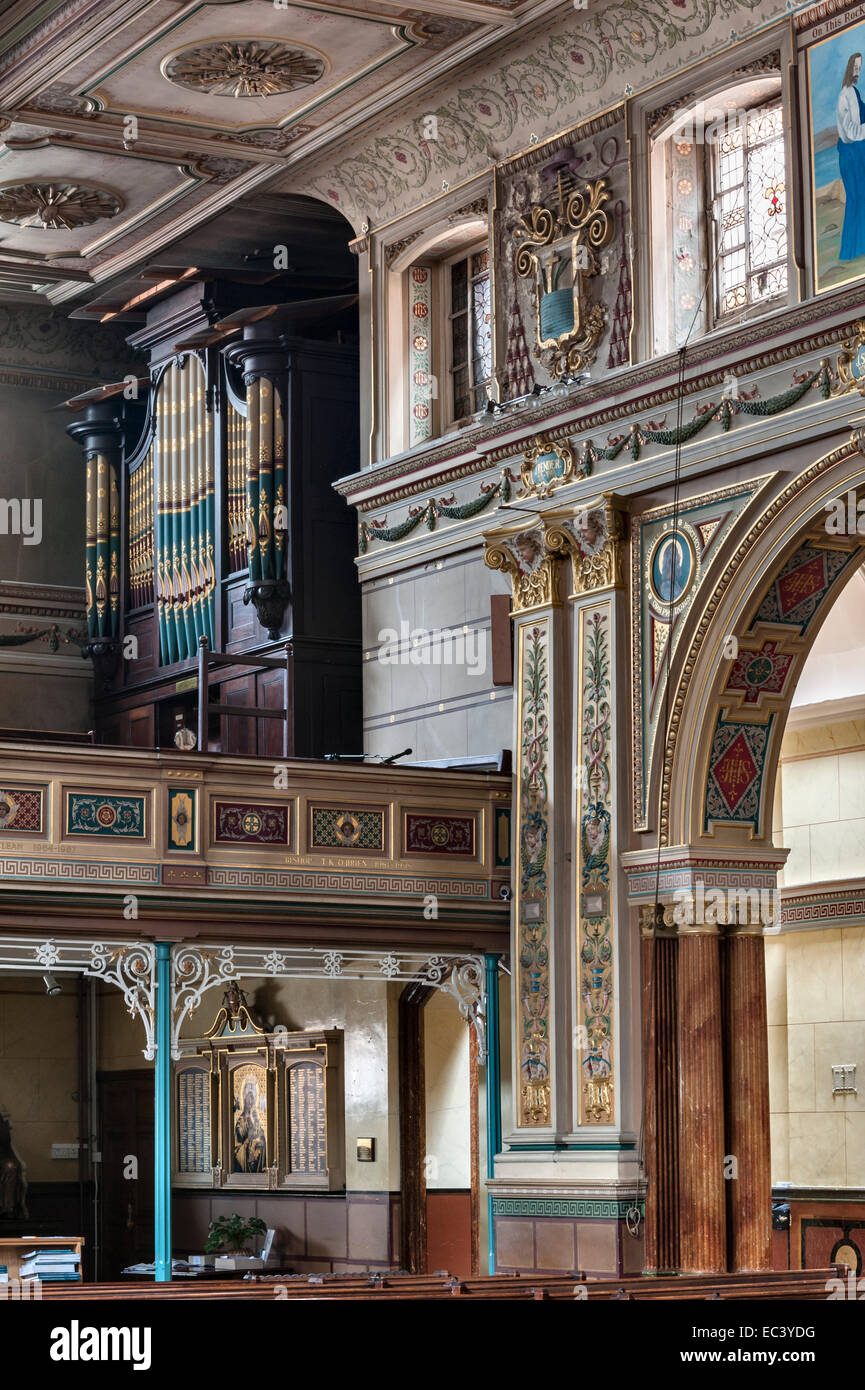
(360,757)
(393,757)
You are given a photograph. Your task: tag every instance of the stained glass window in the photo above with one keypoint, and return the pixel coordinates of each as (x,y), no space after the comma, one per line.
(750,210)
(471,344)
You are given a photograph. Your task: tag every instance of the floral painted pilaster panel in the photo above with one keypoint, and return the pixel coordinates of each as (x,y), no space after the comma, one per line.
(535,1061)
(420,333)
(596,1070)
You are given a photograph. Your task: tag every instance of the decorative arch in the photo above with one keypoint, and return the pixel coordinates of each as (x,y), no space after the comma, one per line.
(441,238)
(732,697)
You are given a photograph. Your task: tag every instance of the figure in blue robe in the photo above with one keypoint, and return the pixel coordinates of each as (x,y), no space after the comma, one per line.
(851,158)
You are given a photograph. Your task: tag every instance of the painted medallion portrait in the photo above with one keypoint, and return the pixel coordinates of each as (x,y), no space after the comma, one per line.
(249,1144)
(671,568)
(836,104)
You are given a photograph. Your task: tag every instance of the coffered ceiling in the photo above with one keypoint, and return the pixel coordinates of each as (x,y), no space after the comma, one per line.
(127,123)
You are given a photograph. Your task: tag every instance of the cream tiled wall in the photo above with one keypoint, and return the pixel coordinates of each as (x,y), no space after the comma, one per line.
(820,812)
(816,1011)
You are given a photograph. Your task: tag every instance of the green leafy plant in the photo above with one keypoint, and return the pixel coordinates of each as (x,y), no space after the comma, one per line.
(234,1232)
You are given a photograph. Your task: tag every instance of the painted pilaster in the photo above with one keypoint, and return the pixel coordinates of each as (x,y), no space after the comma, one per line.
(370,311)
(604,957)
(542,799)
(571,950)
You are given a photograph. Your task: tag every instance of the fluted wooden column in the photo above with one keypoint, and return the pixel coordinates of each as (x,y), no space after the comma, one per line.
(661,1098)
(749,1194)
(702,1216)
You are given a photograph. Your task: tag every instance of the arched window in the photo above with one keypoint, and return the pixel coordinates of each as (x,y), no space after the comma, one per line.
(719,211)
(439,341)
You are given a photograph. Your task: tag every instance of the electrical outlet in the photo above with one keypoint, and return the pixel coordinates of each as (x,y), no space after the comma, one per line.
(844,1079)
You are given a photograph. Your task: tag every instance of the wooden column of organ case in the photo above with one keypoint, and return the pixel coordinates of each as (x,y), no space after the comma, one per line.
(211,512)
(260,1110)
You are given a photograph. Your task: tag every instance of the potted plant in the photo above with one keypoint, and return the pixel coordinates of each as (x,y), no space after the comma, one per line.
(235,1233)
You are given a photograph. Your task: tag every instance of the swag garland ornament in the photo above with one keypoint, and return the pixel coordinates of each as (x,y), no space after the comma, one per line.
(544,445)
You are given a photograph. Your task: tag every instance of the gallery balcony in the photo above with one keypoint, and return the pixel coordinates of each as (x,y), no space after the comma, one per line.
(99,841)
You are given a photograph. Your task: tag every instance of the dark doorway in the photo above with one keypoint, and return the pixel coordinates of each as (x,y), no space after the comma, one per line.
(126,1199)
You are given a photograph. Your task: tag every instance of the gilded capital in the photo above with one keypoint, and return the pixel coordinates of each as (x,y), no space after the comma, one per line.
(533,571)
(593,537)
(657,919)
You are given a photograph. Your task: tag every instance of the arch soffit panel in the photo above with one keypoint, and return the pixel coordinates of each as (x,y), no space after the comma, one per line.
(454,233)
(729,712)
(757,493)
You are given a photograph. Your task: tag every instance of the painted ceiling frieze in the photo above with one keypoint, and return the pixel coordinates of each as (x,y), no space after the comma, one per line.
(577,67)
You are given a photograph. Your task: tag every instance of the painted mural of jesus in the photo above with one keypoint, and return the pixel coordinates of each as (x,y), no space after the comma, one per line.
(850,119)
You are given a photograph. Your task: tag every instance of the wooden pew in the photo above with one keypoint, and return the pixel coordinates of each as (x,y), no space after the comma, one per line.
(786,1285)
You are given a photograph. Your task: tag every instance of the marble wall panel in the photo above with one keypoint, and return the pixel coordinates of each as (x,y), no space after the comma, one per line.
(853,972)
(814,992)
(446,1054)
(817,1150)
(443,708)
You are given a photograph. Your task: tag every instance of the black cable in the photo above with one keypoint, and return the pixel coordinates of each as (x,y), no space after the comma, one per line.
(668,658)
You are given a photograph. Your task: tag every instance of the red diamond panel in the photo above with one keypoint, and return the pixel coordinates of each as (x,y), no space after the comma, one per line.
(735,771)
(800,584)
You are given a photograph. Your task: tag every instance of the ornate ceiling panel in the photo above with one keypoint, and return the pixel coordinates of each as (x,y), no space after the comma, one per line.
(115,194)
(183,74)
(124,123)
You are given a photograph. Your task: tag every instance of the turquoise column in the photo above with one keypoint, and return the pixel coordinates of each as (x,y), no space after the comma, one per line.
(162,1116)
(494,1091)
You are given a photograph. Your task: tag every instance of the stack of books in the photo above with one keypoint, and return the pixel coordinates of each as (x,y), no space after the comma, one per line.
(50,1266)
